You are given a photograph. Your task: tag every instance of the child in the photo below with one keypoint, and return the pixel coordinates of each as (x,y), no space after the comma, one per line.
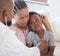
(37,34)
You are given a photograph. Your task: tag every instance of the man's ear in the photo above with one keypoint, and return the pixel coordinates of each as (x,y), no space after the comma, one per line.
(5,14)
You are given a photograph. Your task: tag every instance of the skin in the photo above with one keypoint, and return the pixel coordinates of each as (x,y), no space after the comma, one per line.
(46,23)
(36,26)
(22,17)
(6,11)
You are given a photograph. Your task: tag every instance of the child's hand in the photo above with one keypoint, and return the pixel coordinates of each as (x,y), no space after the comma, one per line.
(44,19)
(46,23)
(42,46)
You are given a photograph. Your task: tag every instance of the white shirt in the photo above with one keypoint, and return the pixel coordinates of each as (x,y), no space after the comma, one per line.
(11,46)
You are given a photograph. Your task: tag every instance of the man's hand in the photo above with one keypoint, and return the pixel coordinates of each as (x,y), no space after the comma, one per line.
(42,46)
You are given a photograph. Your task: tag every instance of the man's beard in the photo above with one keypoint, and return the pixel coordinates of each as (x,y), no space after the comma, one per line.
(8,23)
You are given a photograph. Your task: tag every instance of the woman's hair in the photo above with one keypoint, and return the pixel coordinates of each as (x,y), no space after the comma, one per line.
(19,4)
(30,14)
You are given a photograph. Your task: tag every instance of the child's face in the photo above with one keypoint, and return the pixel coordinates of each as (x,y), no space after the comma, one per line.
(22,17)
(35,23)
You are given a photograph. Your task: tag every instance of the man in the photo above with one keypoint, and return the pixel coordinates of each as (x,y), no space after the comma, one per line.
(9,44)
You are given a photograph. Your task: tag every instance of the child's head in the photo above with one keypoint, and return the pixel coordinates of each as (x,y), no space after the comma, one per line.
(35,23)
(21,13)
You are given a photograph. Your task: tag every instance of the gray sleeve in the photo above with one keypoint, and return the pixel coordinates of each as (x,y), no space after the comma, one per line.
(51,40)
(29,39)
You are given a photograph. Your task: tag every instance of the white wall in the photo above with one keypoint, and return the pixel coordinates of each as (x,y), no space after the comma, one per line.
(40,8)
(52,11)
(54,8)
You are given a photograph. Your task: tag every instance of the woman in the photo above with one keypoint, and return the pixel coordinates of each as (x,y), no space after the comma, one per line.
(22,17)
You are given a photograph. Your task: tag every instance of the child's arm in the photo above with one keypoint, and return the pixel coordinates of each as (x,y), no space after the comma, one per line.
(50,51)
(51,45)
(46,22)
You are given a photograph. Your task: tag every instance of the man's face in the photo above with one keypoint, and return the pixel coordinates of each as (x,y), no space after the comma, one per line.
(10,14)
(22,17)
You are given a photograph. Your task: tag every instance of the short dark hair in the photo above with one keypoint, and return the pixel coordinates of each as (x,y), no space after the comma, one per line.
(19,4)
(32,13)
